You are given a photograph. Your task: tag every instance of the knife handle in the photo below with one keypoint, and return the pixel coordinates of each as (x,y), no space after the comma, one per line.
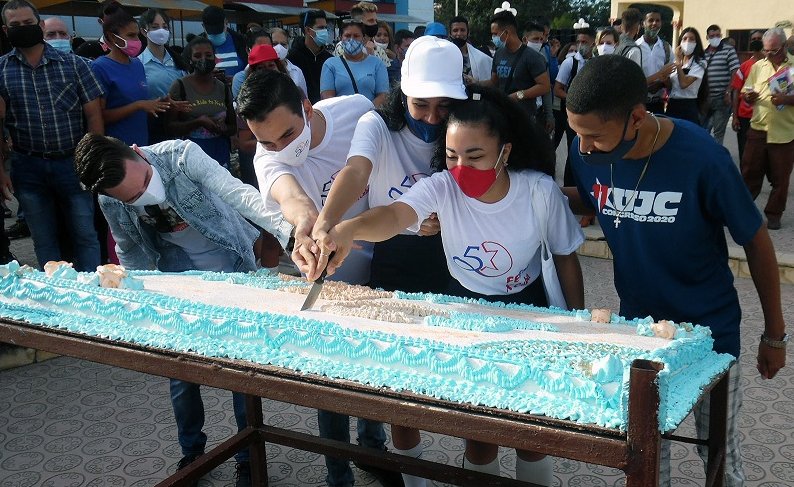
(324,273)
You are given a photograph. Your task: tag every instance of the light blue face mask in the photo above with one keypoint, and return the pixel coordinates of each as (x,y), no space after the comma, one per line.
(353,47)
(497,41)
(321,37)
(217,39)
(62,45)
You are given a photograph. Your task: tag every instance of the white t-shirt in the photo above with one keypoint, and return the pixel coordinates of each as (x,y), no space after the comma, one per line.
(494,248)
(319,171)
(205,254)
(399,159)
(690,92)
(564,74)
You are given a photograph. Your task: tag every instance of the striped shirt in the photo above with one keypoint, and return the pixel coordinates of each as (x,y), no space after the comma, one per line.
(722,63)
(44,105)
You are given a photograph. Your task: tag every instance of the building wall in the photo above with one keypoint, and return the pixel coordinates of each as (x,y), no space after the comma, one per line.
(728,14)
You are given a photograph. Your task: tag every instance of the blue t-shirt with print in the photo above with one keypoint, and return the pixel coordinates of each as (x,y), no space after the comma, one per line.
(670,253)
(227,58)
(124,84)
(371,76)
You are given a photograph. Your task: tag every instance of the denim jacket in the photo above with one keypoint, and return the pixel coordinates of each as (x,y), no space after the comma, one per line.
(206,196)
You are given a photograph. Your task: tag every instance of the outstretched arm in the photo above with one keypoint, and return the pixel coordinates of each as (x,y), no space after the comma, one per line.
(763,268)
(374,225)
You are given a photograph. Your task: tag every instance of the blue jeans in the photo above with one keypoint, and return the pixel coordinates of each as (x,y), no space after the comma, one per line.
(40,185)
(189,415)
(337,427)
(716,119)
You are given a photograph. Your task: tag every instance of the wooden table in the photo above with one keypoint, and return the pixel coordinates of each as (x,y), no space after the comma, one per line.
(635,451)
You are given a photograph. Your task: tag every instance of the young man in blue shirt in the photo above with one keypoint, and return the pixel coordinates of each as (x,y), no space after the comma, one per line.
(663,190)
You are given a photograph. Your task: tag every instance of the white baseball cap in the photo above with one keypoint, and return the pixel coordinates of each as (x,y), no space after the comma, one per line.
(433,68)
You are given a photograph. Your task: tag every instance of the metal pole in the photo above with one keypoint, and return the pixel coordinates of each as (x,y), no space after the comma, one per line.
(456,8)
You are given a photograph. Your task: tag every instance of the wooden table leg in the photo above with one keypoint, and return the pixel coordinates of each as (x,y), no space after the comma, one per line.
(643,435)
(253,417)
(718,418)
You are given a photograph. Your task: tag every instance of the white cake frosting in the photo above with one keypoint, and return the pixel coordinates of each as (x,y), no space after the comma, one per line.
(515,357)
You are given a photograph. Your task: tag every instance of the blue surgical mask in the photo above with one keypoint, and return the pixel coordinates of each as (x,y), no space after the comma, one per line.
(217,39)
(606,158)
(352,47)
(62,45)
(425,131)
(497,41)
(321,37)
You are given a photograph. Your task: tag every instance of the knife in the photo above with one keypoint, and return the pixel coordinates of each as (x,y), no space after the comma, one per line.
(317,286)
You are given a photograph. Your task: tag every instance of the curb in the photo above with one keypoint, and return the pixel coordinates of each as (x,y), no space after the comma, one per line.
(595,246)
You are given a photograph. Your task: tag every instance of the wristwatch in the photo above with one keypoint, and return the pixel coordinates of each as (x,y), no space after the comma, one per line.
(520,94)
(774,343)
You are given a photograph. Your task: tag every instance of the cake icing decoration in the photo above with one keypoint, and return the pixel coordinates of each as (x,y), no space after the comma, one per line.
(580,381)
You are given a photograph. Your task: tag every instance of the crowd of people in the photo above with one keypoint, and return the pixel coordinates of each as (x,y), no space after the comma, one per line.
(415,145)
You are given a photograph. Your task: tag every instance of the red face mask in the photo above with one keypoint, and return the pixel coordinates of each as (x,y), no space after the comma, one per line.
(476,182)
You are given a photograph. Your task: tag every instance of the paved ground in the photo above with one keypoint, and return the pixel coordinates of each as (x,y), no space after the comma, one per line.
(66,422)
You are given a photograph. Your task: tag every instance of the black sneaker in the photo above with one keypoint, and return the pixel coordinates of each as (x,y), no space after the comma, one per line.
(387,478)
(187,460)
(243,474)
(18,230)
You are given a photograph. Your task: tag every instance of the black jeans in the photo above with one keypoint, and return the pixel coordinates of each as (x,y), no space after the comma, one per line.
(5,250)
(741,134)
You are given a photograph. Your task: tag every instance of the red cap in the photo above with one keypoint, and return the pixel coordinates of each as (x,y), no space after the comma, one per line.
(261,53)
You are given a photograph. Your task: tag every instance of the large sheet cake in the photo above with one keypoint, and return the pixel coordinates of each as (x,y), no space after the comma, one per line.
(515,357)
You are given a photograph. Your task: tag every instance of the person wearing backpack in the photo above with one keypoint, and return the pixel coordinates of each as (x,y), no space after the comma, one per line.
(648,52)
(585,42)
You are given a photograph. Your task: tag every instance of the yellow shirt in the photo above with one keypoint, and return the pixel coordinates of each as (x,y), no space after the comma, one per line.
(778,124)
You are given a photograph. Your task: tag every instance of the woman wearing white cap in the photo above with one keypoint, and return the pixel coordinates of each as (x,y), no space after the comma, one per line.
(391,150)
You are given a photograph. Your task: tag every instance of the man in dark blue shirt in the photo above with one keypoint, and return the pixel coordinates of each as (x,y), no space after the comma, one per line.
(663,191)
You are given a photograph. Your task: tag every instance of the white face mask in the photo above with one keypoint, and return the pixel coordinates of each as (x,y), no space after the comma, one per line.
(715,41)
(382,45)
(281,51)
(296,153)
(159,36)
(604,49)
(535,45)
(155,191)
(687,48)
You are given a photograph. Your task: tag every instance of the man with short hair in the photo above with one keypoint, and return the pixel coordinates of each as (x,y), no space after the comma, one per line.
(664,191)
(477,65)
(295,173)
(172,208)
(657,61)
(585,41)
(769,151)
(402,39)
(45,125)
(57,34)
(721,64)
(309,52)
(230,51)
(518,70)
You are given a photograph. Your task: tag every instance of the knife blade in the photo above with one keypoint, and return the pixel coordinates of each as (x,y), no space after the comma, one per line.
(317,287)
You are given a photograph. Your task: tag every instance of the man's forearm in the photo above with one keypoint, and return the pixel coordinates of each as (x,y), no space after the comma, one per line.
(764,270)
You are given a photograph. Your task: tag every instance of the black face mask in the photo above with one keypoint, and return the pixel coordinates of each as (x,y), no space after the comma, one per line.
(371,30)
(25,36)
(458,41)
(205,66)
(756,46)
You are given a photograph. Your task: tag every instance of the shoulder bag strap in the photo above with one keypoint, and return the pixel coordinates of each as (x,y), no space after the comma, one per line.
(509,83)
(352,78)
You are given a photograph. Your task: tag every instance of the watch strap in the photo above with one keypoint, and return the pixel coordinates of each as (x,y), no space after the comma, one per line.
(774,343)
